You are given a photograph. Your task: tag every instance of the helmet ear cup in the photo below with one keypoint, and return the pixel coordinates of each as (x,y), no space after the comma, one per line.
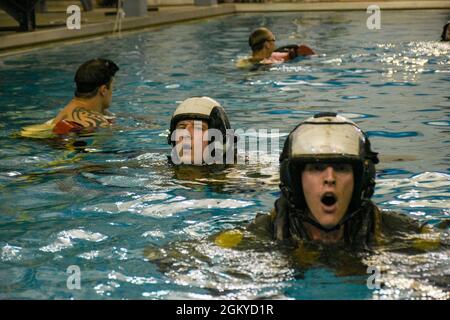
(369,171)
(219,120)
(169,138)
(286,183)
(368,179)
(291,184)
(171,130)
(297,186)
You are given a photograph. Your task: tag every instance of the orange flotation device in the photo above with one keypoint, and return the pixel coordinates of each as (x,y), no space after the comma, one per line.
(65,127)
(295,50)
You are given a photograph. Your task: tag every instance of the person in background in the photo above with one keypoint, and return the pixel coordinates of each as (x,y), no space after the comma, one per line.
(264,51)
(200,133)
(88,110)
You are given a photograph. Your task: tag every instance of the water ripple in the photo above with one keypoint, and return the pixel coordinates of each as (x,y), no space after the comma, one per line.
(393,135)
(65,239)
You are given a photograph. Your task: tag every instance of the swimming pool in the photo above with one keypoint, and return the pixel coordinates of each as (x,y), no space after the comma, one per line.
(111,210)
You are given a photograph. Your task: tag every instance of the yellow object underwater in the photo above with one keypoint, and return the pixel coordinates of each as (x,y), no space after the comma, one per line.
(244,63)
(229,239)
(426,245)
(39,131)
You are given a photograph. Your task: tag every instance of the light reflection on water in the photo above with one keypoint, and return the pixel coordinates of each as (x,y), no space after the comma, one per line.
(139,229)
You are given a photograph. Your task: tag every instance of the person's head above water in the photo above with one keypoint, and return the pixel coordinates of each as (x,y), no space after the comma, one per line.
(94,80)
(195,125)
(445,36)
(264,50)
(262,43)
(327,173)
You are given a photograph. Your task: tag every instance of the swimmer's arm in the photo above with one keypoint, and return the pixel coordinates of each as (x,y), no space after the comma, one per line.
(276,58)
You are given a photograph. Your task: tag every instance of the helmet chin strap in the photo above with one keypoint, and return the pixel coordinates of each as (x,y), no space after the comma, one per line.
(319,226)
(306,218)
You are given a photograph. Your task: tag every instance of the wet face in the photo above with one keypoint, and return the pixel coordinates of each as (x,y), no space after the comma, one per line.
(447,34)
(270,42)
(328,190)
(191,144)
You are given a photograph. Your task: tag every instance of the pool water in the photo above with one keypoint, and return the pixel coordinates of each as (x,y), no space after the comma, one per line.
(137,228)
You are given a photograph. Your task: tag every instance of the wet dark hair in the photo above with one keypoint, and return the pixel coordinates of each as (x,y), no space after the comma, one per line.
(257,38)
(444,31)
(92,74)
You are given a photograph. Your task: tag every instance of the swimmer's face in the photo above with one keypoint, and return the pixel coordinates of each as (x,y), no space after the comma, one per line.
(192,140)
(328,190)
(447,34)
(270,42)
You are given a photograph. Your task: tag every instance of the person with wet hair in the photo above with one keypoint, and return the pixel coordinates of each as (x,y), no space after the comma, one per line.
(88,110)
(264,51)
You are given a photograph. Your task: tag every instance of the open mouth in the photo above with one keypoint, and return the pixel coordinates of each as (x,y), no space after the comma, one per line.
(328,199)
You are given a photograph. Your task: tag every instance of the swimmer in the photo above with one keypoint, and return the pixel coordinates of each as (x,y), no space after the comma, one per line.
(89,108)
(262,43)
(327,173)
(445,36)
(205,151)
(200,133)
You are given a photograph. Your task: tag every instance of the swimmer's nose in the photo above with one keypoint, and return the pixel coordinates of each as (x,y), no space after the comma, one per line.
(329,176)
